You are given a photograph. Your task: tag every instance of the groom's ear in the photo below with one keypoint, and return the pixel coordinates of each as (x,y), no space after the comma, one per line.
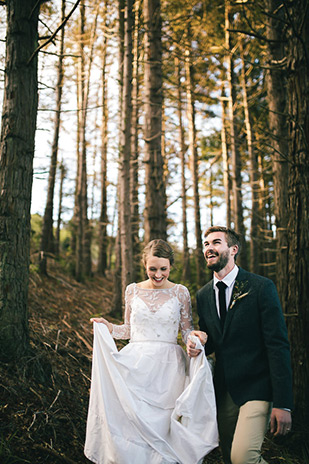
(234,250)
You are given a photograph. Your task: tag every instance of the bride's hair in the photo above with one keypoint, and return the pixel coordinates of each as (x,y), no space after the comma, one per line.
(159,248)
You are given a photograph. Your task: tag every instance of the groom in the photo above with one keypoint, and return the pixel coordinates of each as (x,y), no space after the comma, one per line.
(241,314)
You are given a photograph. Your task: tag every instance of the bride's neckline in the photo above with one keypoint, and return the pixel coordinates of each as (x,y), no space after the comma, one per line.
(147,288)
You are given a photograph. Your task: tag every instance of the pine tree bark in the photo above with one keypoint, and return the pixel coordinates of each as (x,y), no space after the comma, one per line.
(81,173)
(117,303)
(47,239)
(59,219)
(264,231)
(186,271)
(83,248)
(155,203)
(134,171)
(16,164)
(194,164)
(238,218)
(297,277)
(277,103)
(125,153)
(87,237)
(103,241)
(254,231)
(225,161)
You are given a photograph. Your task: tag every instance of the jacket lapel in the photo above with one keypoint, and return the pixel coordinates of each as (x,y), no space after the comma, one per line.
(239,282)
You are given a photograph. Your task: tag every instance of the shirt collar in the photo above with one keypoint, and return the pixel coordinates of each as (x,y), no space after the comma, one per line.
(229,279)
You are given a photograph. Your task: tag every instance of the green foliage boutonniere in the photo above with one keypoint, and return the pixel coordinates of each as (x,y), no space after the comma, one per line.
(239,291)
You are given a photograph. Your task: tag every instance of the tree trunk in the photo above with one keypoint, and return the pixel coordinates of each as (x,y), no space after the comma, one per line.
(125,153)
(83,258)
(277,101)
(225,161)
(47,239)
(16,162)
(135,221)
(236,160)
(155,203)
(80,230)
(297,277)
(199,259)
(75,218)
(117,303)
(254,232)
(263,196)
(87,237)
(186,271)
(103,242)
(62,177)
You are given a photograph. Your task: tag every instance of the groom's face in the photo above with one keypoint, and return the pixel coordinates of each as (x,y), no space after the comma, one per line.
(217,252)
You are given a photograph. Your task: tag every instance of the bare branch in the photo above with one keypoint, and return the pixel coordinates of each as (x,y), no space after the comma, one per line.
(257,36)
(55,33)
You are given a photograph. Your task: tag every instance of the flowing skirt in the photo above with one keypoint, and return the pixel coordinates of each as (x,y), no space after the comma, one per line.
(147,405)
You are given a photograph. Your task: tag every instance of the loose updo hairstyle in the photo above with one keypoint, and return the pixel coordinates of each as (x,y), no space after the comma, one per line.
(159,248)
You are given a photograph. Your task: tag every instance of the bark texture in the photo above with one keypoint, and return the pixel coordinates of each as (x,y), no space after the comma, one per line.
(155,206)
(297,277)
(47,240)
(238,217)
(103,240)
(194,164)
(125,153)
(277,102)
(16,163)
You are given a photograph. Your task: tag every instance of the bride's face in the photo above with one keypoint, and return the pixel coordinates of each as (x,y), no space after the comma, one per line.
(158,271)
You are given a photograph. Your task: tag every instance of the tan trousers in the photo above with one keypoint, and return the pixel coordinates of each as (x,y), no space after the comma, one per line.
(242,430)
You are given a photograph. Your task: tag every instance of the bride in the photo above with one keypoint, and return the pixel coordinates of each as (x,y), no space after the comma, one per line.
(150,404)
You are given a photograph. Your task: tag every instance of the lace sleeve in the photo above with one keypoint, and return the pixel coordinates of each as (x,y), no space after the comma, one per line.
(186,322)
(123,331)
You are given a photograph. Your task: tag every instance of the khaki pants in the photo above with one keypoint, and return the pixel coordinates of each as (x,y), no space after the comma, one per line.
(242,430)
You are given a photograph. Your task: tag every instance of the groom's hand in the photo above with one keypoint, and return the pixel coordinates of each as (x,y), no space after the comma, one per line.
(280,421)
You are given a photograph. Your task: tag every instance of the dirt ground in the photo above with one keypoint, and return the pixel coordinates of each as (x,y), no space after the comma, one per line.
(44,396)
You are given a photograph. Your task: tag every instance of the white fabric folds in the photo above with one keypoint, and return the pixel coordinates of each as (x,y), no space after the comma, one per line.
(149,404)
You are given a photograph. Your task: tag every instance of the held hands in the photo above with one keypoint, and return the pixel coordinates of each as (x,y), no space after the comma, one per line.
(191,350)
(280,422)
(101,320)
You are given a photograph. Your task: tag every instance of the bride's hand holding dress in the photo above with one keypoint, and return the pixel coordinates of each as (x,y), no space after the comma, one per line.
(101,320)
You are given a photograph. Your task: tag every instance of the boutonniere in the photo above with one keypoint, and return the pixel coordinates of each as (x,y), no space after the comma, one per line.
(239,291)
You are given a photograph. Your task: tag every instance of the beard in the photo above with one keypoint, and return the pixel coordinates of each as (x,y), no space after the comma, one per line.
(221,263)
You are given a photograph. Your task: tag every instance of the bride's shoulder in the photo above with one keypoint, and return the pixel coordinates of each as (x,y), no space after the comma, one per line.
(182,290)
(130,288)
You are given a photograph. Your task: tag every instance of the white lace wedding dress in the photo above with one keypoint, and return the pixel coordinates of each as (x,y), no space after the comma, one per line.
(148,403)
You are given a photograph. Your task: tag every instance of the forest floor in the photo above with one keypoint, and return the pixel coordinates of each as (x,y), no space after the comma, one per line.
(44,396)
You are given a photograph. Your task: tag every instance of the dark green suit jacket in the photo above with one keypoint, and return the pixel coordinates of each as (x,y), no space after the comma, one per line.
(252,352)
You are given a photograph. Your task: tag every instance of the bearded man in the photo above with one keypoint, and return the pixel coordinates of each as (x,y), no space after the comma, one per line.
(242,316)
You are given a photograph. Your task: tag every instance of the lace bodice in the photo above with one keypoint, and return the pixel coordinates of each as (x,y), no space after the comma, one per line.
(155,314)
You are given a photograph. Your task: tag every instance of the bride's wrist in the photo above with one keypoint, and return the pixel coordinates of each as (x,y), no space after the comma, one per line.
(110,327)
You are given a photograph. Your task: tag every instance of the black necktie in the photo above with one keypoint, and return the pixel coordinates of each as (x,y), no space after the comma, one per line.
(222,301)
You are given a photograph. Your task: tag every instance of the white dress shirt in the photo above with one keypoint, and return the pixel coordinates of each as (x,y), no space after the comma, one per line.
(229,281)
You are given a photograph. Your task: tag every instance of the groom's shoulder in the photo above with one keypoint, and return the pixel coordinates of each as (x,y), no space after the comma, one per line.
(247,275)
(206,288)
(254,279)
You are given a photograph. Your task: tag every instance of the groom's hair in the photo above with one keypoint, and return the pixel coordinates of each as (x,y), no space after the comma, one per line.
(232,237)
